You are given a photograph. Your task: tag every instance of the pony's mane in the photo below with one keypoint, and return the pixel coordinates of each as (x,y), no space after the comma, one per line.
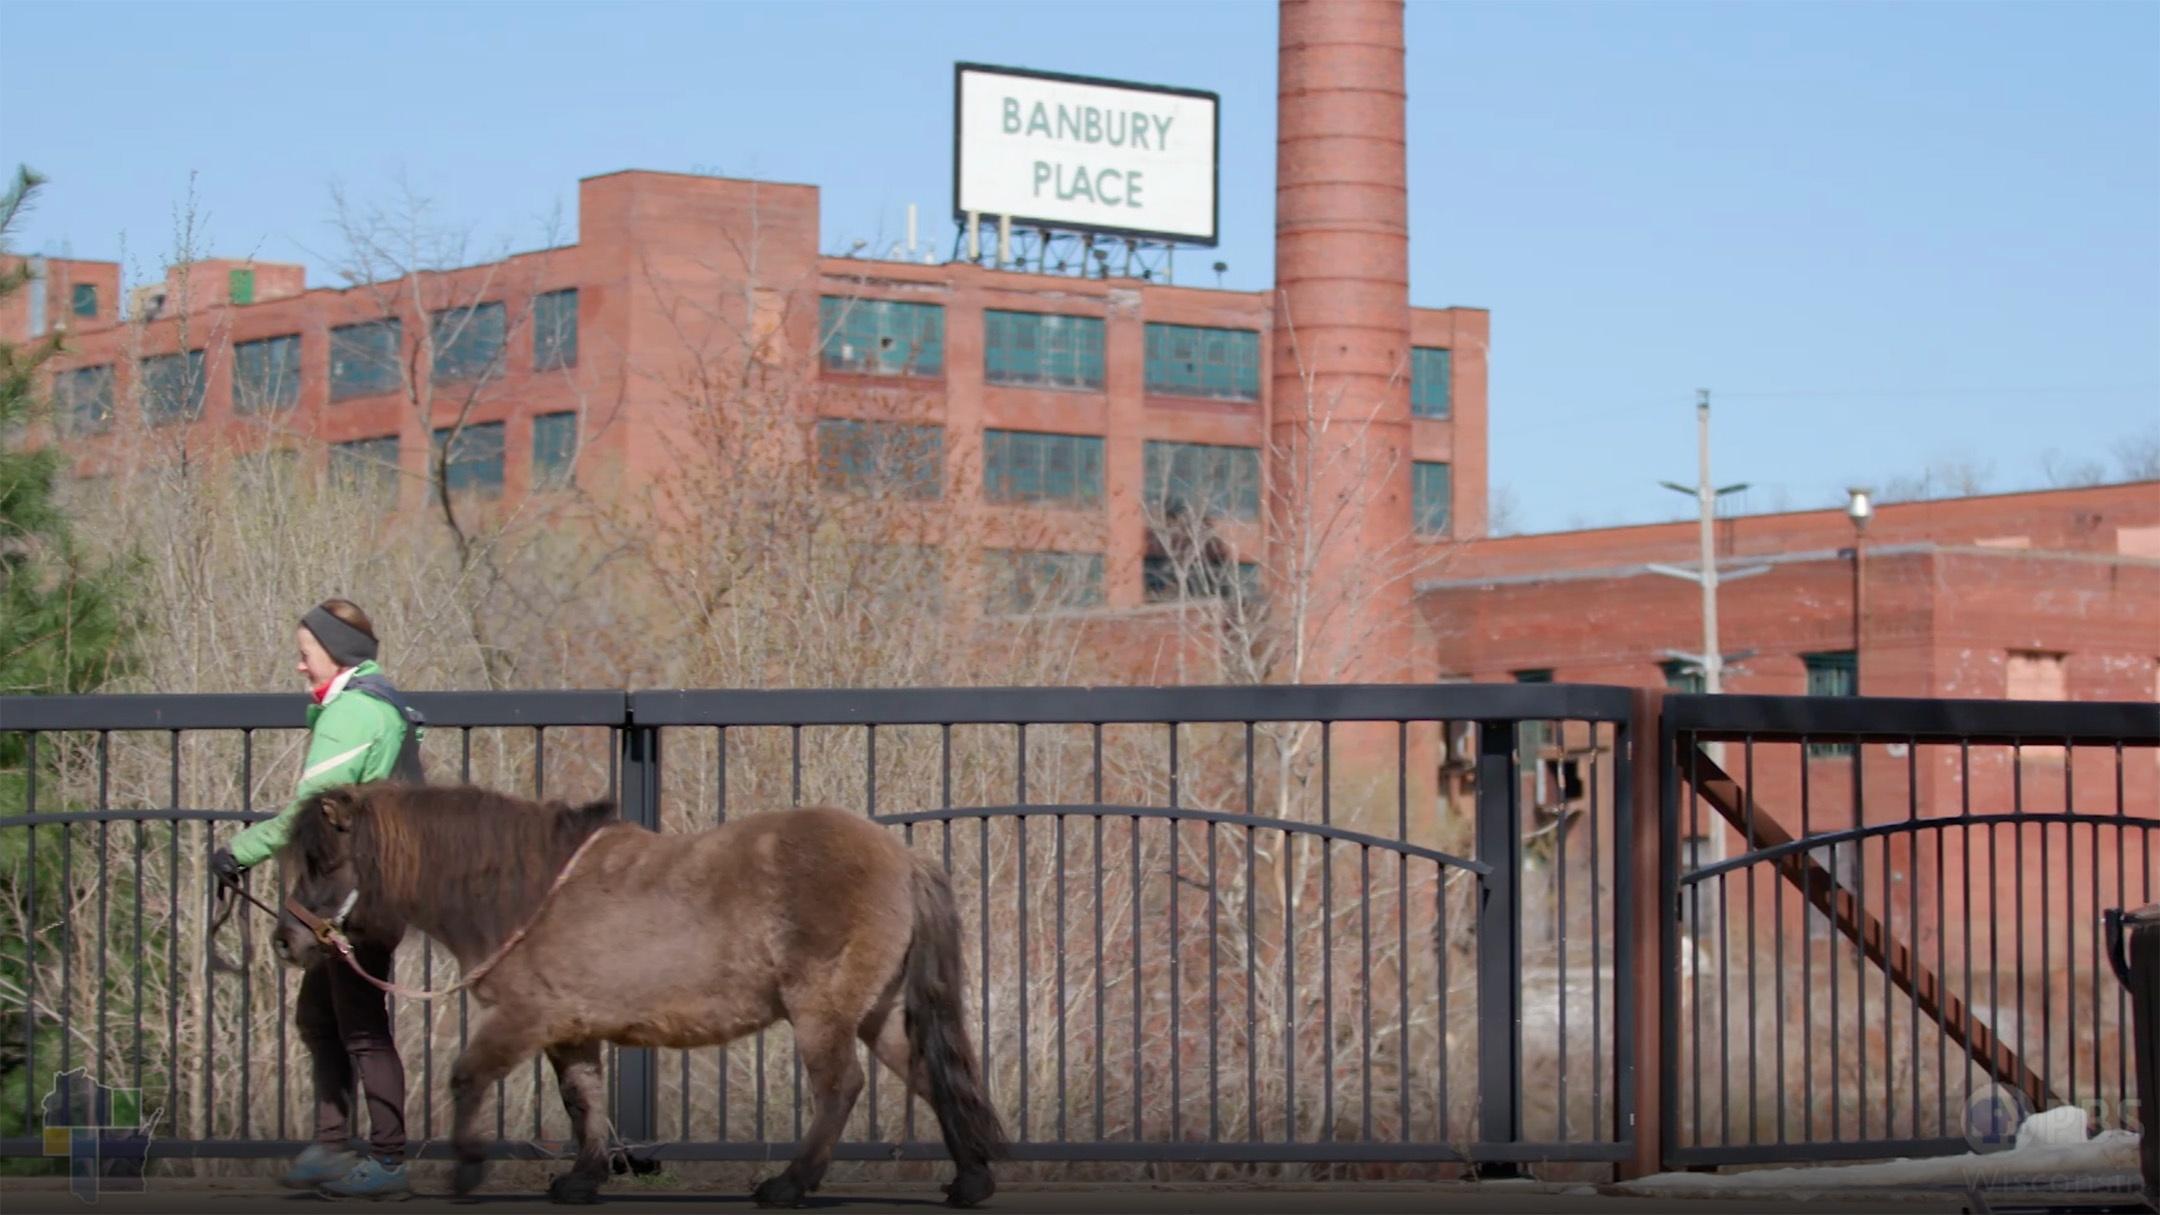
(477,857)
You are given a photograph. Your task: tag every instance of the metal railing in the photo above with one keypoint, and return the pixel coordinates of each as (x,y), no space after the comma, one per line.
(1899,949)
(1262,925)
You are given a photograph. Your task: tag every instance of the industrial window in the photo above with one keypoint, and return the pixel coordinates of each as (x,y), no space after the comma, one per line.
(1059,470)
(85,399)
(555,322)
(1163,580)
(366,465)
(1028,580)
(555,444)
(172,387)
(83,298)
(240,285)
(266,374)
(881,337)
(1431,493)
(364,358)
(1835,673)
(881,458)
(472,458)
(468,341)
(1682,675)
(1041,350)
(1431,369)
(1190,361)
(1201,479)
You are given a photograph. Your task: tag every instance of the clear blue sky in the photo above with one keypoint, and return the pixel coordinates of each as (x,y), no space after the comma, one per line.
(1883,234)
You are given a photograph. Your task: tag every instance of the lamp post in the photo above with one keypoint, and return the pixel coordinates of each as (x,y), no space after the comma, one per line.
(1859,508)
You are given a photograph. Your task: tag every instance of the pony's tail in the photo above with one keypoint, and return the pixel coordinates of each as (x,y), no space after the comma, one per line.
(937,1026)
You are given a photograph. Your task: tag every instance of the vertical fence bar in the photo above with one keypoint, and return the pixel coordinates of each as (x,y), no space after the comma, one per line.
(636,1093)
(1645,907)
(1499,936)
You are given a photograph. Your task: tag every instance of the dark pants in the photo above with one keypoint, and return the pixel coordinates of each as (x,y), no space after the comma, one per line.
(345,1024)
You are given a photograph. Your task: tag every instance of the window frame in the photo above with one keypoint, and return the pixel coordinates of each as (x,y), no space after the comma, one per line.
(468,365)
(243,400)
(836,314)
(150,369)
(551,339)
(870,443)
(555,473)
(1420,473)
(1081,342)
(1158,469)
(466,483)
(389,375)
(1156,354)
(1420,404)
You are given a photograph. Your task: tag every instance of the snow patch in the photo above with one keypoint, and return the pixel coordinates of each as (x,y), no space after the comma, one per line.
(2051,1150)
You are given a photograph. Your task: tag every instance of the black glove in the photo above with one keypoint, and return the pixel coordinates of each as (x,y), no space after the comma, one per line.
(224,868)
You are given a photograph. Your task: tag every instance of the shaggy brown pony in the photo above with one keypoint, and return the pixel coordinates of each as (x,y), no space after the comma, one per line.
(814,915)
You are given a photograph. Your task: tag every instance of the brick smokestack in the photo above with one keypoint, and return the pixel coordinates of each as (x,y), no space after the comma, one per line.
(1339,511)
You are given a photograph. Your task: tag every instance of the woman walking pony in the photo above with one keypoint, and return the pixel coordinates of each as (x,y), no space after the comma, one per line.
(360,730)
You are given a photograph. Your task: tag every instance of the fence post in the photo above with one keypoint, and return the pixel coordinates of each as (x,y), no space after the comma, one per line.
(1499,936)
(1638,896)
(636,1099)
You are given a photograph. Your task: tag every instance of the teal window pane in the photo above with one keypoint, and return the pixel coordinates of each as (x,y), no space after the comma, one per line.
(468,342)
(1192,361)
(84,397)
(1199,479)
(83,300)
(172,387)
(266,374)
(555,445)
(881,458)
(365,465)
(1026,467)
(881,337)
(1431,491)
(364,358)
(472,458)
(555,330)
(1037,580)
(1040,350)
(1834,673)
(1165,579)
(1431,375)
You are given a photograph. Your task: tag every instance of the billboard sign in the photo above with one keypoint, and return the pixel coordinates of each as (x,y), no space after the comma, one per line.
(1085,155)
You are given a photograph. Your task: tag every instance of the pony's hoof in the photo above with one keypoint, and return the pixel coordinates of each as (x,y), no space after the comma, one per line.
(781,1191)
(467,1177)
(574,1188)
(970,1189)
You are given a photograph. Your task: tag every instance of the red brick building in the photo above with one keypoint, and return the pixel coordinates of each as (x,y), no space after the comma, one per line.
(1048,402)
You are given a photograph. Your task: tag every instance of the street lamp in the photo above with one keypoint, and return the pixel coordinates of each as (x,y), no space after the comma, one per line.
(1859,507)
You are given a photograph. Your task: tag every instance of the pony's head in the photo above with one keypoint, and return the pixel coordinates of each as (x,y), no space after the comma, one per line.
(332,851)
(461,863)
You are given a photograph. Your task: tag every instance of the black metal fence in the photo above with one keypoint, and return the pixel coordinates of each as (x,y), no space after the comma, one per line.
(1251,925)
(1888,920)
(1262,925)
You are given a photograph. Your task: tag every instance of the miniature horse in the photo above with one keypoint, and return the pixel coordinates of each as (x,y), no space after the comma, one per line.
(813,915)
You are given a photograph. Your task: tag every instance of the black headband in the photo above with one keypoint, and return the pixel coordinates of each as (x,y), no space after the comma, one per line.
(346,645)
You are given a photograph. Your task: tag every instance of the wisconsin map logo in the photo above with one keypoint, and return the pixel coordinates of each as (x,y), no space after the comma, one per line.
(102,1130)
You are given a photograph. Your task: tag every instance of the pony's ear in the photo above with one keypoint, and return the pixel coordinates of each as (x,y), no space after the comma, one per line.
(338,807)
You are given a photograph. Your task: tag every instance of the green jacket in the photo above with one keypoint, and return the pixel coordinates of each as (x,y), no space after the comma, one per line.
(355,738)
